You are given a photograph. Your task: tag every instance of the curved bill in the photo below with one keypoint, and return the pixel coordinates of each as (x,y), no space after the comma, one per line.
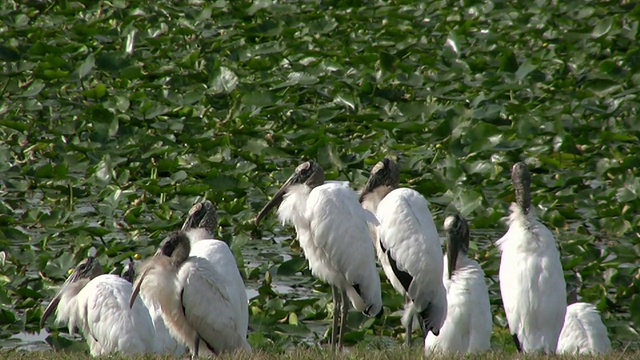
(452,255)
(136,288)
(458,241)
(148,265)
(279,196)
(384,173)
(53,305)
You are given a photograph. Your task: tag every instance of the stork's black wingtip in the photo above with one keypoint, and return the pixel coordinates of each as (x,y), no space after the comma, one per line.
(517,342)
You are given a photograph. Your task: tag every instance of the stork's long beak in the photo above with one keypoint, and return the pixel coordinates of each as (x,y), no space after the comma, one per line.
(457,240)
(372,184)
(136,288)
(138,283)
(189,223)
(194,217)
(278,197)
(453,249)
(376,179)
(53,305)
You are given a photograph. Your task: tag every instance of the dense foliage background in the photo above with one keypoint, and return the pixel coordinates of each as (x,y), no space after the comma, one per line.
(116,116)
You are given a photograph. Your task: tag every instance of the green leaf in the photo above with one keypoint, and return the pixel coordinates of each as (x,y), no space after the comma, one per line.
(34,89)
(602,27)
(508,61)
(86,67)
(259,99)
(524,70)
(224,81)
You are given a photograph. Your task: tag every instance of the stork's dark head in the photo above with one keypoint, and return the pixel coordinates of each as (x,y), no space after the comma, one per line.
(457,240)
(384,175)
(176,247)
(521,178)
(86,270)
(308,173)
(203,216)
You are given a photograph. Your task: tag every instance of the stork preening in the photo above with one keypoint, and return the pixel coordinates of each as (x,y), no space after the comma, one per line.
(583,331)
(408,247)
(195,305)
(531,277)
(467,328)
(98,305)
(333,231)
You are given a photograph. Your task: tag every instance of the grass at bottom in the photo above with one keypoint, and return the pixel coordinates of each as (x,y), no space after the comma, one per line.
(399,353)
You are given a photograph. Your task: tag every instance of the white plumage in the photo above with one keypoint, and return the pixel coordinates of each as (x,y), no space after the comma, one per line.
(468,325)
(196,306)
(531,277)
(165,343)
(99,307)
(408,246)
(226,272)
(333,231)
(583,331)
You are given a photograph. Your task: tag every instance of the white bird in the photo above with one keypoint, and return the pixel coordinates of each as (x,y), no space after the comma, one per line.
(468,326)
(196,308)
(531,277)
(333,231)
(98,305)
(408,247)
(583,331)
(200,226)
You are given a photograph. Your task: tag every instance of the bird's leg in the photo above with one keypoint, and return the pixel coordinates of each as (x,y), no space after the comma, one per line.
(409,328)
(343,317)
(336,314)
(196,347)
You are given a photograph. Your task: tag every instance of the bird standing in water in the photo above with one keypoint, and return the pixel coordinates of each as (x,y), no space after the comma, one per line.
(333,231)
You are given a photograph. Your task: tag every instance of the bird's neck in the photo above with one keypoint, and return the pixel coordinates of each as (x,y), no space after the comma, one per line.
(373,199)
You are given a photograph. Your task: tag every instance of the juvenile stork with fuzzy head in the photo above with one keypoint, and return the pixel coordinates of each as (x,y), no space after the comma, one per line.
(408,247)
(531,277)
(467,328)
(333,232)
(196,306)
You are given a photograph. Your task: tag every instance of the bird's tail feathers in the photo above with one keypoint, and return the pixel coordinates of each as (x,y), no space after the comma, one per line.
(410,313)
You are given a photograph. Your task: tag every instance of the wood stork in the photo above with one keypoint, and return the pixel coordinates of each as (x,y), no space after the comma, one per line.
(583,331)
(531,277)
(98,305)
(195,306)
(408,247)
(467,328)
(200,226)
(334,234)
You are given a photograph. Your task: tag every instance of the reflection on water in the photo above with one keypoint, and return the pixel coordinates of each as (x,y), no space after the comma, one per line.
(27,341)
(252,291)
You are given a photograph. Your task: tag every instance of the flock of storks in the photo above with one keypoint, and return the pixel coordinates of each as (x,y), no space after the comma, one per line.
(190,295)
